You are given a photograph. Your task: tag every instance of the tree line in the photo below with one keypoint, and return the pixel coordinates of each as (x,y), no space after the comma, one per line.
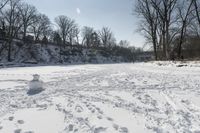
(20,20)
(171,27)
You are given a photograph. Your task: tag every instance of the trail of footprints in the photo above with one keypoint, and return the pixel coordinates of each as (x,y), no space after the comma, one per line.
(17,122)
(81,123)
(101,115)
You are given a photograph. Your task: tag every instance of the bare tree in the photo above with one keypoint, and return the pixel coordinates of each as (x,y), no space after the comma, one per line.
(197,9)
(13,23)
(65,25)
(3,4)
(90,37)
(87,36)
(124,43)
(150,22)
(73,34)
(107,37)
(95,39)
(167,17)
(185,14)
(158,19)
(41,27)
(76,34)
(194,28)
(28,14)
(56,37)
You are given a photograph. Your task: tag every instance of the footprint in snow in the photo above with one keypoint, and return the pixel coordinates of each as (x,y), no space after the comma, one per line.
(1,127)
(185,101)
(78,109)
(20,121)
(70,127)
(99,117)
(115,126)
(10,118)
(70,104)
(29,132)
(144,82)
(99,130)
(197,131)
(90,108)
(86,119)
(110,119)
(99,110)
(123,130)
(93,111)
(18,131)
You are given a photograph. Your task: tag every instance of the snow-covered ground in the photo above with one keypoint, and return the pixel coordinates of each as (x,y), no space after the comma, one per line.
(113,98)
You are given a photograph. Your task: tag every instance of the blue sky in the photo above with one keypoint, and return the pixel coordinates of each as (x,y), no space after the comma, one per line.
(116,14)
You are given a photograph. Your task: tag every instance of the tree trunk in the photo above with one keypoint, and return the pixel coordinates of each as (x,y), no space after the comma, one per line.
(9,50)
(164,41)
(181,42)
(167,42)
(24,34)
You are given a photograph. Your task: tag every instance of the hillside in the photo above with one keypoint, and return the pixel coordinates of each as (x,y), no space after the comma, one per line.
(51,54)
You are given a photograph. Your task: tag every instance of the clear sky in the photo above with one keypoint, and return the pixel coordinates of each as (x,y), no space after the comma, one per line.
(116,14)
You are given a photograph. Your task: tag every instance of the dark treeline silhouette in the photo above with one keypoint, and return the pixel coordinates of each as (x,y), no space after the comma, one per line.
(22,24)
(172,27)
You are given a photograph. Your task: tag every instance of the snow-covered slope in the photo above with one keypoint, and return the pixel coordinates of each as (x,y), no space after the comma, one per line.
(115,98)
(51,54)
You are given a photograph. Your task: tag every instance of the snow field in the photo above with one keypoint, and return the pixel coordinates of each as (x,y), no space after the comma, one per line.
(113,98)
